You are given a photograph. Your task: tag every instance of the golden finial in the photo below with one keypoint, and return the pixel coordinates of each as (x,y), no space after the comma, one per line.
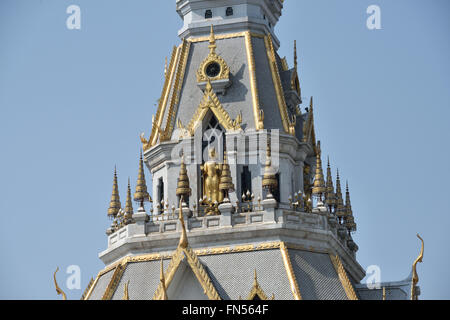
(183,239)
(212,41)
(330,196)
(226,182)
(340,211)
(141,194)
(349,219)
(183,189)
(269,181)
(114,204)
(163,282)
(295,55)
(128,205)
(125,291)
(415,276)
(384,293)
(319,182)
(58,289)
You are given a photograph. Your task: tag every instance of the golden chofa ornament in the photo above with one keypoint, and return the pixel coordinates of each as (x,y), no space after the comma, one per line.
(226,182)
(114,204)
(141,195)
(319,183)
(183,189)
(269,182)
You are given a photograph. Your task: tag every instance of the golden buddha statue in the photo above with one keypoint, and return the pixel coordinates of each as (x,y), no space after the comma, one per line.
(211,174)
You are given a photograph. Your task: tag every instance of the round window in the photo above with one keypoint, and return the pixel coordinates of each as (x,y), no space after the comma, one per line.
(213,70)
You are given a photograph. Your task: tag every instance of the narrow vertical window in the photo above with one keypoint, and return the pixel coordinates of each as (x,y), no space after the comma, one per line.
(276,193)
(208,14)
(160,191)
(229,11)
(246,181)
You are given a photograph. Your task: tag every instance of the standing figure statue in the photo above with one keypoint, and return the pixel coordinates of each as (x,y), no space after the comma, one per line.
(211,173)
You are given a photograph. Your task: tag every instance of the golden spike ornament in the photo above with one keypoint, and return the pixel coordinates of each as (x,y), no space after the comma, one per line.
(349,218)
(415,276)
(58,289)
(141,194)
(330,196)
(183,189)
(319,182)
(114,204)
(340,210)
(128,212)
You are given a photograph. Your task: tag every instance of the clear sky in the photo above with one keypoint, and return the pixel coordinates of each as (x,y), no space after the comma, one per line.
(73,103)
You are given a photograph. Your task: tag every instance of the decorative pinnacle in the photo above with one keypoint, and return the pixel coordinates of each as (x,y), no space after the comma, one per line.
(349,219)
(340,210)
(295,55)
(330,196)
(226,182)
(183,188)
(212,41)
(114,204)
(163,282)
(128,204)
(319,183)
(269,181)
(141,195)
(183,239)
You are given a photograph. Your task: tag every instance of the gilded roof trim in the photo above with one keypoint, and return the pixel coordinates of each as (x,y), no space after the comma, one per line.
(225,36)
(87,290)
(196,266)
(163,100)
(290,272)
(175,99)
(287,125)
(258,291)
(211,102)
(115,279)
(345,281)
(259,123)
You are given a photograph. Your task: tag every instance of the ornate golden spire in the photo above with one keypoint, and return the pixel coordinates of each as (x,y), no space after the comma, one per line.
(183,239)
(212,41)
(330,196)
(114,204)
(340,210)
(295,55)
(319,182)
(183,189)
(226,182)
(163,282)
(349,219)
(269,181)
(128,205)
(141,195)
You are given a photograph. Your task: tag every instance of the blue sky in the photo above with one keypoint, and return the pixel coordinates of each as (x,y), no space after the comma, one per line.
(73,103)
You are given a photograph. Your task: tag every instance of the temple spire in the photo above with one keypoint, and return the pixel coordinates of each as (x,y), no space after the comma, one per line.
(114,204)
(349,218)
(226,182)
(295,55)
(319,182)
(141,195)
(212,41)
(340,210)
(269,180)
(330,196)
(128,212)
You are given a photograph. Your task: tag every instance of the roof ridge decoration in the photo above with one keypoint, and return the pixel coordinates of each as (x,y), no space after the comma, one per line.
(175,99)
(58,289)
(257,291)
(212,57)
(288,124)
(309,133)
(184,251)
(342,274)
(115,279)
(125,291)
(290,271)
(415,276)
(88,288)
(211,102)
(162,102)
